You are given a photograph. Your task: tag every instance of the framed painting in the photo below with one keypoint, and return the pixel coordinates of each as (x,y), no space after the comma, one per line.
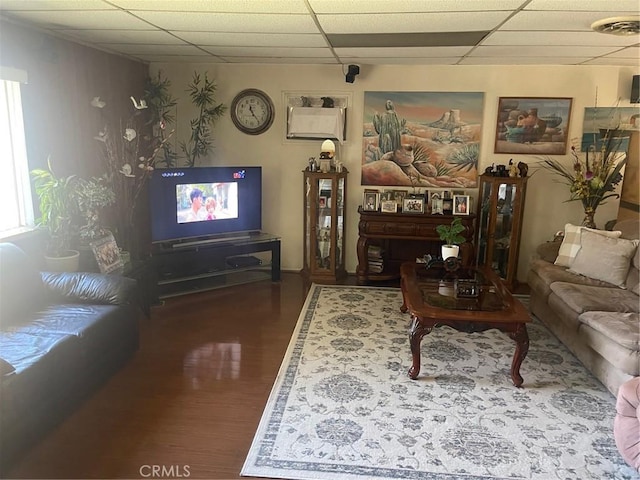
(600,120)
(421,139)
(532,125)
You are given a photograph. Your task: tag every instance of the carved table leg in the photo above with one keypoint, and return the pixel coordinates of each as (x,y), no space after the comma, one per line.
(521,337)
(418,330)
(403,308)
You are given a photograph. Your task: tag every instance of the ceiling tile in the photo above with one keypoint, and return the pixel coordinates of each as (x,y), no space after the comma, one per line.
(585,5)
(231,22)
(415,22)
(124,36)
(180,58)
(403,52)
(558,38)
(138,49)
(411,6)
(115,19)
(226,6)
(523,60)
(257,39)
(535,51)
(269,52)
(400,60)
(291,60)
(554,20)
(55,5)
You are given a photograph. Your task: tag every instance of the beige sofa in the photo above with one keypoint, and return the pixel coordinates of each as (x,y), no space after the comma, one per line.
(597,320)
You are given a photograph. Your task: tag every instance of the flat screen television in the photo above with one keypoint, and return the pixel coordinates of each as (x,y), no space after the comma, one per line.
(204,202)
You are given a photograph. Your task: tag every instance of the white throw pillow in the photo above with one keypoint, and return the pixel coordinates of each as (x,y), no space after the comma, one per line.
(604,258)
(571,243)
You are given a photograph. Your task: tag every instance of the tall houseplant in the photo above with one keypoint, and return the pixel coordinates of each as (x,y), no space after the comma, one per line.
(450,235)
(57,197)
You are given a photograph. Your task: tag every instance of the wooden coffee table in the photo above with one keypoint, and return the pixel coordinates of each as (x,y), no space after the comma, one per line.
(428,294)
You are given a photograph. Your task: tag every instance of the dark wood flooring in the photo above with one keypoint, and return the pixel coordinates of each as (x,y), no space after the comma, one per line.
(191,398)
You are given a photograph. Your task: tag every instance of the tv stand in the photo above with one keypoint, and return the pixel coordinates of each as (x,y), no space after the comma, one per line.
(202,265)
(211,240)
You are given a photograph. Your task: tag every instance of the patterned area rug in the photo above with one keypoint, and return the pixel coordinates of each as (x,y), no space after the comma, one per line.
(343,407)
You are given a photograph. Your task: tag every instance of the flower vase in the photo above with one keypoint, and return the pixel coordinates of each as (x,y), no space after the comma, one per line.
(588,221)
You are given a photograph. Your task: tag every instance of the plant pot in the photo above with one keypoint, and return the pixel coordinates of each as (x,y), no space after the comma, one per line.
(450,251)
(68,263)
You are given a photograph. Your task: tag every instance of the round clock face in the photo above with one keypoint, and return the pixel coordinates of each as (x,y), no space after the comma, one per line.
(252,111)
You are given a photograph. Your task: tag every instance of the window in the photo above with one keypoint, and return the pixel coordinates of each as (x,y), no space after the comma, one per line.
(15,187)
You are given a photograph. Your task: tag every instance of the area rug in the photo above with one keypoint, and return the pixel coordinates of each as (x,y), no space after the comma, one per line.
(342,406)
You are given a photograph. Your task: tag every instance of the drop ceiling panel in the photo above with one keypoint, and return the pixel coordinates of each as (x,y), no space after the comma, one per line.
(411,6)
(523,60)
(181,59)
(536,51)
(71,19)
(559,38)
(550,20)
(415,22)
(231,22)
(157,37)
(138,49)
(506,32)
(414,52)
(227,6)
(254,39)
(585,5)
(268,52)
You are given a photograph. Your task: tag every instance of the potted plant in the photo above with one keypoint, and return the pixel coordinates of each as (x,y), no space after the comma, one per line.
(92,196)
(450,235)
(57,208)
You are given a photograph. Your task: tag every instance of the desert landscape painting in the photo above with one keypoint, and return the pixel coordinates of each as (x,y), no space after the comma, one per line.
(421,139)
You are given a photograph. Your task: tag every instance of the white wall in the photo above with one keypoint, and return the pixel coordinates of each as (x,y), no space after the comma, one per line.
(283,160)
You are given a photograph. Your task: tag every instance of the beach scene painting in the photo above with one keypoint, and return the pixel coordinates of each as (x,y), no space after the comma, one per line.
(421,139)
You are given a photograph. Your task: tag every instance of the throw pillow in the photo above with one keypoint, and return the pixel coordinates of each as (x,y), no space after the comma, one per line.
(571,243)
(604,258)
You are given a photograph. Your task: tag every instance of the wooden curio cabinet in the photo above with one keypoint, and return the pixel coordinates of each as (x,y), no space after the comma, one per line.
(500,215)
(324,224)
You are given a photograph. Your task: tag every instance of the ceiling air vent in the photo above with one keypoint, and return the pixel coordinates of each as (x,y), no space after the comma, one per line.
(618,25)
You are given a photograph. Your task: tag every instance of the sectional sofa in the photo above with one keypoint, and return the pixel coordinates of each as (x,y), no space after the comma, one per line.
(61,336)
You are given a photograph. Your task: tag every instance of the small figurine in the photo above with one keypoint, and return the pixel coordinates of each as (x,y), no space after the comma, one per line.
(523,168)
(313,165)
(513,170)
(327,102)
(305,101)
(489,170)
(501,171)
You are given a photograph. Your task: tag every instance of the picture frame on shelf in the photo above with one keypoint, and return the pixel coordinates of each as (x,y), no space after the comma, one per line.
(325,165)
(370,201)
(386,195)
(447,205)
(398,196)
(437,205)
(107,254)
(322,202)
(389,206)
(412,204)
(461,205)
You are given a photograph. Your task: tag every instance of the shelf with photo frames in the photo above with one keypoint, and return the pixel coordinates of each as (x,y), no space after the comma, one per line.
(400,237)
(433,202)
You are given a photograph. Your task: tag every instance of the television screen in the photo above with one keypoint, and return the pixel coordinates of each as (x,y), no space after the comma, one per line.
(204,201)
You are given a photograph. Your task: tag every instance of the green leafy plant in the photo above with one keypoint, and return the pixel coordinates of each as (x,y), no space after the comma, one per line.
(93,195)
(58,202)
(162,106)
(202,93)
(450,234)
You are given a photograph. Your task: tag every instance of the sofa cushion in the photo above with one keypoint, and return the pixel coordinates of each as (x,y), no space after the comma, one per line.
(543,274)
(588,298)
(633,277)
(604,258)
(6,368)
(571,243)
(622,328)
(20,282)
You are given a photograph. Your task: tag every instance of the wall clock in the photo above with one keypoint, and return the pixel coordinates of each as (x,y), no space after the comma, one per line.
(252,111)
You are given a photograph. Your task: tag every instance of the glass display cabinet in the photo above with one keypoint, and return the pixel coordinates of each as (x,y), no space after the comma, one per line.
(500,214)
(324,223)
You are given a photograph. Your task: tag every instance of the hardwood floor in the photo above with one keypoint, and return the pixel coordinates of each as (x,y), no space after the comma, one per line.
(191,398)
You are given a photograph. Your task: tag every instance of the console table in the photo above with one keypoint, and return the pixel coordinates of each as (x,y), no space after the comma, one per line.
(402,237)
